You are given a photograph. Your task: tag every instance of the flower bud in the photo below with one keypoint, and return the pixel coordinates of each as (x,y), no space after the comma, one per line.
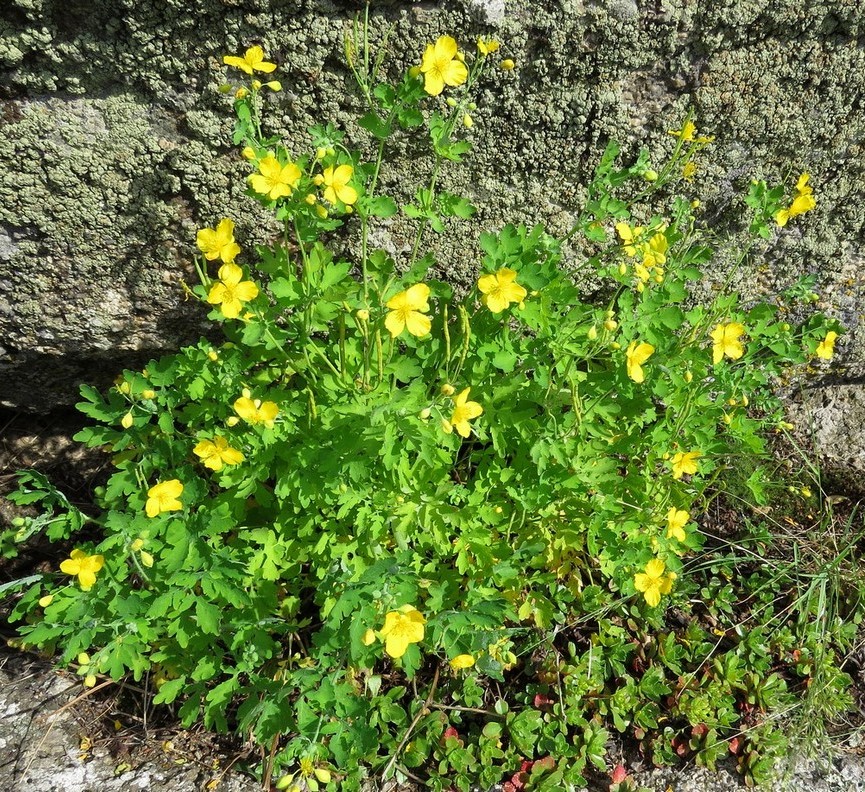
(368,638)
(592,334)
(126,421)
(616,345)
(148,394)
(610,325)
(224,88)
(123,387)
(232,420)
(472,106)
(321,211)
(256,85)
(318,179)
(507,64)
(248,153)
(451,102)
(448,389)
(425,413)
(651,175)
(331,151)
(688,376)
(414,71)
(45,601)
(362,315)
(212,356)
(137,544)
(623,268)
(695,204)
(467,121)
(241,93)
(274,85)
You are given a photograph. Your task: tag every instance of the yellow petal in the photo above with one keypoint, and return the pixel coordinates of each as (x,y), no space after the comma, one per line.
(417,324)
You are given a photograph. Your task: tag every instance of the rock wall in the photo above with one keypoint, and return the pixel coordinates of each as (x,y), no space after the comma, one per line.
(116,143)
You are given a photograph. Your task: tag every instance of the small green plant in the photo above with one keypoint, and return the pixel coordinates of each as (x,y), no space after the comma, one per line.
(388,529)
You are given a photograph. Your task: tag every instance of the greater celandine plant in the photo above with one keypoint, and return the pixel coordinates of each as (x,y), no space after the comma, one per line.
(373,482)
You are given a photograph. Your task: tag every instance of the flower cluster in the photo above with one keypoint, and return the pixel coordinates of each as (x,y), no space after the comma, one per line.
(803,201)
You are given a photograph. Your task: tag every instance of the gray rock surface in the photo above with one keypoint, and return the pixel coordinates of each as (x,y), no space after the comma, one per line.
(115,142)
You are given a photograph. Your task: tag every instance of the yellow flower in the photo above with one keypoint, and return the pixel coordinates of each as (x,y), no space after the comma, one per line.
(500,289)
(653,582)
(676,521)
(655,251)
(682,463)
(726,341)
(252,60)
(407,311)
(686,133)
(218,243)
(230,292)
(464,411)
(84,567)
(336,185)
(462,661)
(635,355)
(401,628)
(630,237)
(274,179)
(689,170)
(216,453)
(802,202)
(507,65)
(441,66)
(163,497)
(254,410)
(826,347)
(486,46)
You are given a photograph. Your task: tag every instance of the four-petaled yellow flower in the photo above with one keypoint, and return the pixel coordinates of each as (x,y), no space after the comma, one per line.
(462,661)
(336,185)
(653,582)
(686,462)
(676,521)
(441,66)
(164,497)
(655,251)
(802,202)
(401,628)
(84,567)
(252,60)
(218,243)
(230,292)
(216,453)
(274,179)
(464,411)
(254,410)
(826,347)
(407,311)
(485,47)
(726,341)
(630,237)
(500,289)
(635,355)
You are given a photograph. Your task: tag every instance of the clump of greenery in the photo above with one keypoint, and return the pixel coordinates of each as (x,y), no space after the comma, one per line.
(391,530)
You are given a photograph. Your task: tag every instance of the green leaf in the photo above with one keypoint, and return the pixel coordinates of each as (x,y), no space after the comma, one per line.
(375,125)
(381,206)
(207,616)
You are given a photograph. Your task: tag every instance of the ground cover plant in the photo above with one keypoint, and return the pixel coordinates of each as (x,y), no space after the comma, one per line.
(393,530)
